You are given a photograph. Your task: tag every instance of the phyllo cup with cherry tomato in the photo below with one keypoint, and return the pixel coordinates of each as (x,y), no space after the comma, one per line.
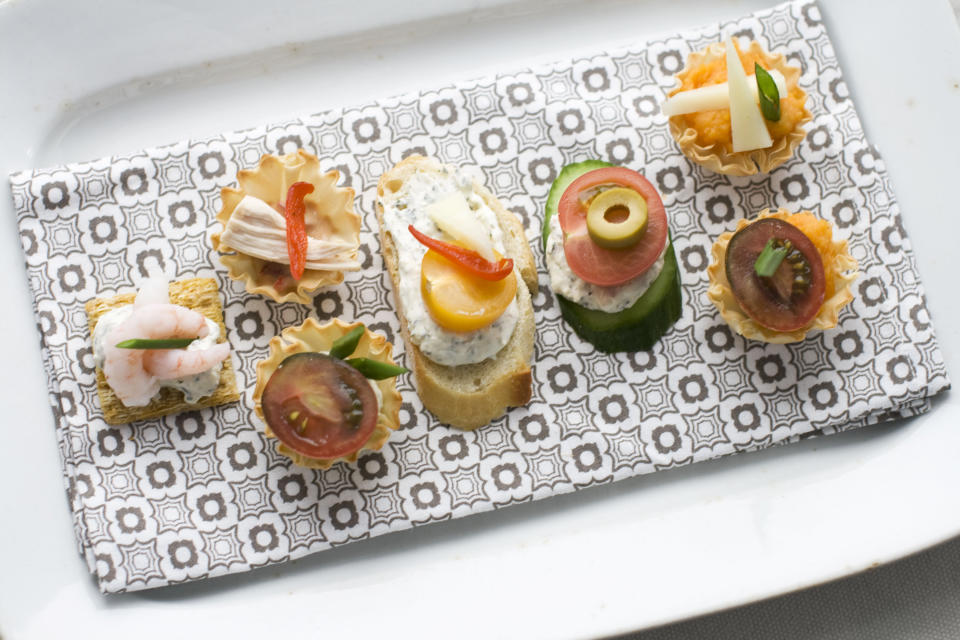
(780,276)
(288,230)
(327,392)
(609,256)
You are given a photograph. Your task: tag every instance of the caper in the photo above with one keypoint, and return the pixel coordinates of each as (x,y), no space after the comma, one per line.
(354,416)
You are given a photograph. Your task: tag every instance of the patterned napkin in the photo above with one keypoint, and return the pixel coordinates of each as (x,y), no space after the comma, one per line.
(203,493)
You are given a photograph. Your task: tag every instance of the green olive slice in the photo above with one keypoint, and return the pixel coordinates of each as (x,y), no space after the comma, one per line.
(617,218)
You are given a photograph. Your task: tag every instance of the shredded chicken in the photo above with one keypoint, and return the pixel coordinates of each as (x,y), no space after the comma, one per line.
(258,230)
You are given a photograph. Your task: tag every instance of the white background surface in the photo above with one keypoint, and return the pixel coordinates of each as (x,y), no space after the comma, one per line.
(83,80)
(917,598)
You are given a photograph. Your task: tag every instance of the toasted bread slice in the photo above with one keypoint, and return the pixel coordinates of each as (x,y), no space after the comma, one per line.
(199,294)
(471,395)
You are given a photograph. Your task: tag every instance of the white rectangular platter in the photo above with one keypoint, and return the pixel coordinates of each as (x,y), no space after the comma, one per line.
(591,563)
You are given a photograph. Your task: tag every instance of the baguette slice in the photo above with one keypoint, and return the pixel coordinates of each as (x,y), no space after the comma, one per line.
(199,294)
(471,395)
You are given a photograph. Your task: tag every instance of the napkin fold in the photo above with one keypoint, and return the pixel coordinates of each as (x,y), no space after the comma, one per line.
(203,493)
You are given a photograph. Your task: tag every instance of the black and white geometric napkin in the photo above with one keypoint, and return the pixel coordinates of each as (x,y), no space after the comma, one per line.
(203,493)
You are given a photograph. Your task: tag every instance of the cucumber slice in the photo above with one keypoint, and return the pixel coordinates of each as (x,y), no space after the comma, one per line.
(638,327)
(567,175)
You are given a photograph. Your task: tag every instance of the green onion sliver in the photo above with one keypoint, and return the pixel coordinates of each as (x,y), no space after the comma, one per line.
(347,343)
(145,343)
(374,369)
(769,259)
(768,93)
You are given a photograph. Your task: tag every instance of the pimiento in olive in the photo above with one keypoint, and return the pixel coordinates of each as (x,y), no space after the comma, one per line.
(792,295)
(319,406)
(617,218)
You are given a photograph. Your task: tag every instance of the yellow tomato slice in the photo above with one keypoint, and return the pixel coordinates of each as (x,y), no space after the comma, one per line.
(460,301)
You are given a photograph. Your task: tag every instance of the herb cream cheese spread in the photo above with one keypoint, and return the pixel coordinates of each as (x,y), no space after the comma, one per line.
(408,207)
(566,283)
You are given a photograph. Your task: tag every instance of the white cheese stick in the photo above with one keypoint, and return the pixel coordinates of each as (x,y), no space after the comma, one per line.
(257,229)
(747,126)
(714,96)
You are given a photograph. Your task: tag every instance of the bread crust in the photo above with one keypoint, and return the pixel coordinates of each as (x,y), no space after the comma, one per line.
(469,396)
(199,294)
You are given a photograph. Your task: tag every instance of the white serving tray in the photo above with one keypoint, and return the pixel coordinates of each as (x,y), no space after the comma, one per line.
(83,80)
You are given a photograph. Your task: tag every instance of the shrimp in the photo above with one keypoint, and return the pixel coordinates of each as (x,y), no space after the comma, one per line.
(170,364)
(126,369)
(155,289)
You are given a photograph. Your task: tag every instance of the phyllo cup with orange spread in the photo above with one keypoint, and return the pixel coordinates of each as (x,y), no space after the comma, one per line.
(705,136)
(837,270)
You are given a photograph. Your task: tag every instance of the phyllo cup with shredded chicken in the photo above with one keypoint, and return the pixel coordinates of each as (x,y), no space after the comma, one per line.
(253,241)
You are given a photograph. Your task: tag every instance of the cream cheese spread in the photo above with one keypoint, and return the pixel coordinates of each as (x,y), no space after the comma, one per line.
(566,283)
(408,206)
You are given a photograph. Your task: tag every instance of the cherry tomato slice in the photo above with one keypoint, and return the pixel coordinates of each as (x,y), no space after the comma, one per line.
(319,406)
(457,299)
(599,265)
(766,301)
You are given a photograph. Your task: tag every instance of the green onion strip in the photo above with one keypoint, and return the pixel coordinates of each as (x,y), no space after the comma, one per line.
(374,369)
(146,343)
(769,259)
(768,93)
(347,343)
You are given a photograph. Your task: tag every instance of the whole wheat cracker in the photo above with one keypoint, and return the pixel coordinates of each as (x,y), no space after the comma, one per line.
(199,294)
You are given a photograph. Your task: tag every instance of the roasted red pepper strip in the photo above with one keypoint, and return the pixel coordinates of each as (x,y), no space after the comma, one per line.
(293,212)
(467,258)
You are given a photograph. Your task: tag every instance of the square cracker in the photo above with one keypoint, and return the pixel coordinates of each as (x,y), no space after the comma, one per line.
(199,294)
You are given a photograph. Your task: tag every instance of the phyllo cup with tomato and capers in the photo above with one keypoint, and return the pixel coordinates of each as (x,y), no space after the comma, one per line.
(780,276)
(288,230)
(327,392)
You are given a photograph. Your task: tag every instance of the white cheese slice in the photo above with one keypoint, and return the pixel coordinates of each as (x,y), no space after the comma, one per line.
(714,96)
(452,214)
(747,126)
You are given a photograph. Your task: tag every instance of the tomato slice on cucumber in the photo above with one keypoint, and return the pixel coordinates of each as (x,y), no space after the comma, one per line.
(601,265)
(319,406)
(637,327)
